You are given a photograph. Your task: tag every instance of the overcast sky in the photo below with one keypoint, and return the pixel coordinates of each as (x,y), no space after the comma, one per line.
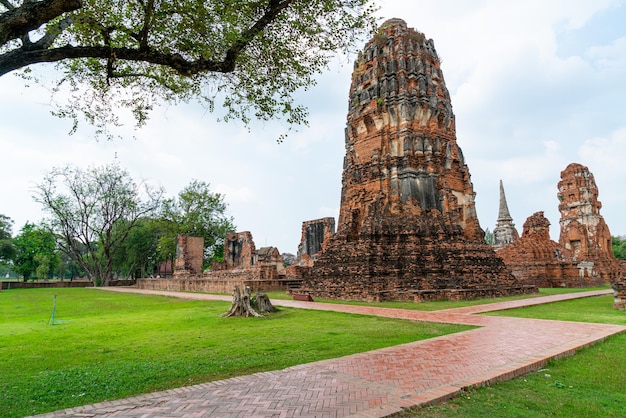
(535,85)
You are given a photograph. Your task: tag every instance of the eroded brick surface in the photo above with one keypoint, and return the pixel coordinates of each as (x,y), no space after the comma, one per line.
(583,230)
(243,265)
(189,254)
(407,226)
(536,259)
(315,236)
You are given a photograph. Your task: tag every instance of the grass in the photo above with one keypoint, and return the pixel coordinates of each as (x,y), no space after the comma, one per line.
(114,345)
(590,384)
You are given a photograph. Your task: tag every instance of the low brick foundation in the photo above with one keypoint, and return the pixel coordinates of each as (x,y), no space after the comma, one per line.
(430,295)
(194,284)
(63,284)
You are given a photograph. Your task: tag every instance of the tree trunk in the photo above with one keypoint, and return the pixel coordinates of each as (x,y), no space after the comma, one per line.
(241,304)
(262,303)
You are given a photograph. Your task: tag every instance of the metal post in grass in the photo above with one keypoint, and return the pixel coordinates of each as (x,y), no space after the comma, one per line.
(54,309)
(52,320)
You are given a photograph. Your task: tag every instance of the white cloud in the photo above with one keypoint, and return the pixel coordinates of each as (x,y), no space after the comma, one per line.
(525,107)
(236,195)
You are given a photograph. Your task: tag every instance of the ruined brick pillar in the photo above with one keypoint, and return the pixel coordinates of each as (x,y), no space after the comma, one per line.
(315,235)
(583,230)
(239,250)
(189,255)
(407,226)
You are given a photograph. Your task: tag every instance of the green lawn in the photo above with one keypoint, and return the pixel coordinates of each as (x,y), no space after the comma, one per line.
(114,345)
(591,383)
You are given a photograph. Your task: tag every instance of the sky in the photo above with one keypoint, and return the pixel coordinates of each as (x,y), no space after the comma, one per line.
(535,86)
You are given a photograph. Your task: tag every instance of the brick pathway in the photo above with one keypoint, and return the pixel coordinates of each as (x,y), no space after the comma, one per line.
(376,383)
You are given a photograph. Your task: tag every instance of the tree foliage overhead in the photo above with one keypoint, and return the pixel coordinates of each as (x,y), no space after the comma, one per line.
(249,56)
(93,211)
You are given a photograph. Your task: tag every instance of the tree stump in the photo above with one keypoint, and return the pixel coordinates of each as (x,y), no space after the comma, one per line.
(241,304)
(262,303)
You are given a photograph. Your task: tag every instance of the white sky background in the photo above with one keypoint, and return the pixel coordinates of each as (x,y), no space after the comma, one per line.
(535,85)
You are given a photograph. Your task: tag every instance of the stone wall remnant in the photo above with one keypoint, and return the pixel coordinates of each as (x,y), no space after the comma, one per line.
(239,250)
(407,227)
(189,255)
(315,236)
(242,261)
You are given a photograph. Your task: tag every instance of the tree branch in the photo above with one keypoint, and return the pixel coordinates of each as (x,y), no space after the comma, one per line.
(147,22)
(18,21)
(6,4)
(273,10)
(19,58)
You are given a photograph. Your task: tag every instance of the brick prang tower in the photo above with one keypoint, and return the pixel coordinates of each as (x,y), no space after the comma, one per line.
(407,227)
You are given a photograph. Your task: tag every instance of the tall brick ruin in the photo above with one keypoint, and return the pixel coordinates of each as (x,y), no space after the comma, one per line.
(189,255)
(239,250)
(315,236)
(407,226)
(583,230)
(504,233)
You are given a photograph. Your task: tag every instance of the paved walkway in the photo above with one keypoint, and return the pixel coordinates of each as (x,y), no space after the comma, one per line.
(376,383)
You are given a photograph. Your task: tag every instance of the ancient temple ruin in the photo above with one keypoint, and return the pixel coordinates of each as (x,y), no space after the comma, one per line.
(242,260)
(536,259)
(315,236)
(504,233)
(583,230)
(239,251)
(189,255)
(407,226)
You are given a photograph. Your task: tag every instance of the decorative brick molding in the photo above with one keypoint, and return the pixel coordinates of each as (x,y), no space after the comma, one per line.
(407,226)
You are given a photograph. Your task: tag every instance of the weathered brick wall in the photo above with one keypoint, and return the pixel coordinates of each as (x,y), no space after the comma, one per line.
(583,229)
(199,284)
(314,238)
(407,224)
(239,250)
(189,255)
(536,260)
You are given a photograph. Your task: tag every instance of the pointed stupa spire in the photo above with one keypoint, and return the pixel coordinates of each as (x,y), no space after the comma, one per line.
(504,233)
(503,213)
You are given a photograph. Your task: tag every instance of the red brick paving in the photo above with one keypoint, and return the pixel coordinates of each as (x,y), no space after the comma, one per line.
(376,383)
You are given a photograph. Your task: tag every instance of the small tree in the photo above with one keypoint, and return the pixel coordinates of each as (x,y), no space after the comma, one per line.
(94,212)
(488,236)
(619,246)
(35,252)
(138,254)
